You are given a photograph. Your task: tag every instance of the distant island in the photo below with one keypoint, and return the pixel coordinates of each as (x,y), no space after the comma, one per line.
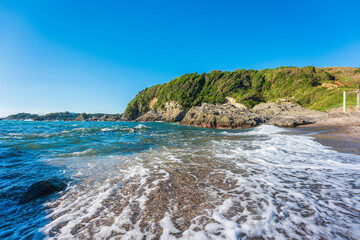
(65,116)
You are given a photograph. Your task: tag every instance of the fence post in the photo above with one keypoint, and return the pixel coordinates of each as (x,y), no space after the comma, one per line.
(344,104)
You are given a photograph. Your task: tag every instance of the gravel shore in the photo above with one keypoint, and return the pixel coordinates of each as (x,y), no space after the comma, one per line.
(338,130)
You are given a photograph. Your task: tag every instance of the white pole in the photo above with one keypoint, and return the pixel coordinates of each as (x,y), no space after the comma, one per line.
(344,104)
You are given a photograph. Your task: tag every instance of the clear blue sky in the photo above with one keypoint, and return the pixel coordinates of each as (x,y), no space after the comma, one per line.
(95,56)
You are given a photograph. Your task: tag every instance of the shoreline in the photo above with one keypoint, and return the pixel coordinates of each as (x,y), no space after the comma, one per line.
(339,131)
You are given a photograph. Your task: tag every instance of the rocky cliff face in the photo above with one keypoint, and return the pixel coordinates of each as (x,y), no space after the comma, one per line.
(171,112)
(229,116)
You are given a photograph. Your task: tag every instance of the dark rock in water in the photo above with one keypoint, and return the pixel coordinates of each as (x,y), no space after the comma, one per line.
(42,189)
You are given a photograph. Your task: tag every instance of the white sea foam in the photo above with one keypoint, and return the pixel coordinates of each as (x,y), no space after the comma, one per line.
(258,183)
(86,152)
(140,126)
(15,134)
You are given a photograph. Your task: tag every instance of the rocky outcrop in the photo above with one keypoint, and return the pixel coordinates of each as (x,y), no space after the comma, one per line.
(230,116)
(286,114)
(220,116)
(283,108)
(286,121)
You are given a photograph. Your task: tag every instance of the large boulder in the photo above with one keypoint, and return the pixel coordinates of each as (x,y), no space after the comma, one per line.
(43,188)
(220,116)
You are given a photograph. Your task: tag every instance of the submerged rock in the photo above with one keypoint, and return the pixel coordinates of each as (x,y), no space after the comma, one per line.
(43,188)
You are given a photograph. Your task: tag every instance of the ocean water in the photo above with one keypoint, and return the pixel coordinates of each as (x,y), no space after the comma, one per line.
(166,181)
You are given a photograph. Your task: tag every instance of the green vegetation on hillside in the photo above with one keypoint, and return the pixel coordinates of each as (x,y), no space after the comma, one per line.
(314,88)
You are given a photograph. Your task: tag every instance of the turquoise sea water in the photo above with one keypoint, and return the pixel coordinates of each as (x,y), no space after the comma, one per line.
(254,182)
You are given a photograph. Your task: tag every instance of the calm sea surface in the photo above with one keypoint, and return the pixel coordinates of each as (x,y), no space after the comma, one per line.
(162,180)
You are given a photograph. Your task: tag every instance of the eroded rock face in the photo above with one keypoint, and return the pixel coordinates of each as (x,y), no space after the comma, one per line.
(150,116)
(220,116)
(172,112)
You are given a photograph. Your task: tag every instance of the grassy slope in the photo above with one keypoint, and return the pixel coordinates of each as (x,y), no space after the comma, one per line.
(315,88)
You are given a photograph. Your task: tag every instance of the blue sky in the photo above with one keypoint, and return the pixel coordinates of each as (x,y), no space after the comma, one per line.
(95,56)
